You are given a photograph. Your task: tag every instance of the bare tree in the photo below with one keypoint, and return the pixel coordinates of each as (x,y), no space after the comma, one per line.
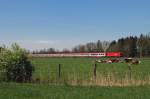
(51,50)
(79,48)
(91,47)
(65,50)
(105,45)
(141,43)
(99,46)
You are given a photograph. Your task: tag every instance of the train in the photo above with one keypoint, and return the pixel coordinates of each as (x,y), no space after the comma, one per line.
(83,54)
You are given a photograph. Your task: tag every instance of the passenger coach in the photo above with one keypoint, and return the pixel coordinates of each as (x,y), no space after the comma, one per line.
(92,54)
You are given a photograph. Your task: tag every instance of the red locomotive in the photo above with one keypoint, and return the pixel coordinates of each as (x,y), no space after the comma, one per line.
(113,54)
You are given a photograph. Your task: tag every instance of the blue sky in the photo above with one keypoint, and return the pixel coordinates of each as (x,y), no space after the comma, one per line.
(36,24)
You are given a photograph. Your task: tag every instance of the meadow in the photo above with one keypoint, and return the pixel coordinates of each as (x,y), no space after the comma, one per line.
(79,71)
(76,81)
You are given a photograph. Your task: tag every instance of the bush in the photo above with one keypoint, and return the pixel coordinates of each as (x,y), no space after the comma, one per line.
(14,64)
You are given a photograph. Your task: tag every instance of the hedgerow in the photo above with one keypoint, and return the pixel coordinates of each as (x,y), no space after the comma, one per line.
(14,65)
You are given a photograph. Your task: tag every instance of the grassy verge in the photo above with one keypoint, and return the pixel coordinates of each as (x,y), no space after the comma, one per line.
(34,91)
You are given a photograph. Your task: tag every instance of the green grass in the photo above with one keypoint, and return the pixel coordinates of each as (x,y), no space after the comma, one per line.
(85,65)
(80,69)
(33,91)
(46,69)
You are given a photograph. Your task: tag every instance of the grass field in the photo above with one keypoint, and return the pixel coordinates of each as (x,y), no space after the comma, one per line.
(75,81)
(79,70)
(34,91)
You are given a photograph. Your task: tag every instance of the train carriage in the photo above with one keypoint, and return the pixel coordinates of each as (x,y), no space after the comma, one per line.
(92,54)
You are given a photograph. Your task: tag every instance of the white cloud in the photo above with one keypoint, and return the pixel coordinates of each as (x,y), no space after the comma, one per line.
(45,42)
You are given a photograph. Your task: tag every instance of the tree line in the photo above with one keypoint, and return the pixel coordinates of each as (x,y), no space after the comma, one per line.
(131,46)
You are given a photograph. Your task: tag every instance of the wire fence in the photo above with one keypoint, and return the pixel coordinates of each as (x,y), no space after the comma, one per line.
(92,77)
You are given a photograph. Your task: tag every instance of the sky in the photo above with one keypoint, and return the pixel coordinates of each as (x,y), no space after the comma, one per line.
(38,24)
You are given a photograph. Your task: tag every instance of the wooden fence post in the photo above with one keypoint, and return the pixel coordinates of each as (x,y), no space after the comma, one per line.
(130,71)
(59,71)
(94,70)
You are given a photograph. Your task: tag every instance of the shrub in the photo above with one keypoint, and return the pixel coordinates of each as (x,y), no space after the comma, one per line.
(15,65)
